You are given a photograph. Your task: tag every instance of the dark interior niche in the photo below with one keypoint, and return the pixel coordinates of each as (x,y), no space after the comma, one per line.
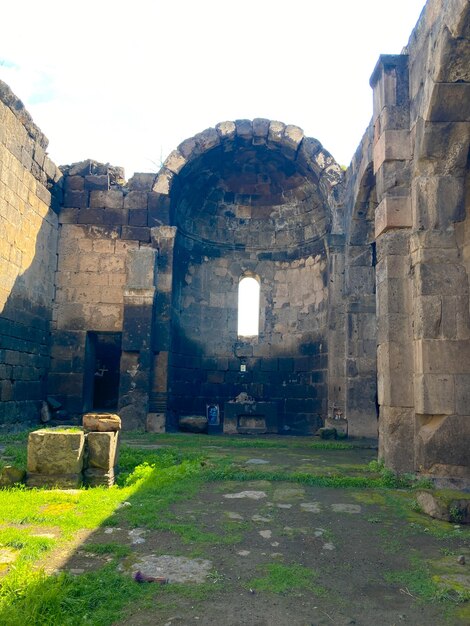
(252,212)
(102,362)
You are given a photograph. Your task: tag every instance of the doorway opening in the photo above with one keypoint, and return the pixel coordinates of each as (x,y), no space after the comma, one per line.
(102,365)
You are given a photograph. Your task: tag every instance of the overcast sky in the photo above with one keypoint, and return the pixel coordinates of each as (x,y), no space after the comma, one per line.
(125,82)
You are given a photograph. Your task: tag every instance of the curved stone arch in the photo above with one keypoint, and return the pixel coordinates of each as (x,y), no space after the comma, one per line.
(287,138)
(361,223)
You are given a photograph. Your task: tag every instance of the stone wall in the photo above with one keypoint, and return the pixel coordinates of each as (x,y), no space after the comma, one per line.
(102,278)
(29,201)
(421,143)
(286,363)
(365,291)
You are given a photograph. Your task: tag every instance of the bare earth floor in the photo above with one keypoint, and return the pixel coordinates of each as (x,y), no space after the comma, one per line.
(274,552)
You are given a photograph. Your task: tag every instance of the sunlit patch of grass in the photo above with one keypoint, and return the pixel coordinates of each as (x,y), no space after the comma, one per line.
(29,546)
(29,597)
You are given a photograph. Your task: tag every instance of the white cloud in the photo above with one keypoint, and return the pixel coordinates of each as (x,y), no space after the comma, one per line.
(126,82)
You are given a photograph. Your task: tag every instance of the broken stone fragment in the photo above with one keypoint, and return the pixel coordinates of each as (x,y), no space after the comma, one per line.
(450,506)
(10,476)
(101,422)
(327,433)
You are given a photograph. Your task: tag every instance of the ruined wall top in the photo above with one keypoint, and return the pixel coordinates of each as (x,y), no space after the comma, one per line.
(17,107)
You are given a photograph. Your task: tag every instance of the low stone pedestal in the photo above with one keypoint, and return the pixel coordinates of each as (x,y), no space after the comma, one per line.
(102,448)
(55,458)
(250,418)
(102,453)
(193,423)
(63,457)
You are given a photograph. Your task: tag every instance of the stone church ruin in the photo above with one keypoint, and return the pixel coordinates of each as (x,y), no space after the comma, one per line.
(123,296)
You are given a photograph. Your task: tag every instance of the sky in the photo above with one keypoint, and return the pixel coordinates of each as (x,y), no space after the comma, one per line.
(126,82)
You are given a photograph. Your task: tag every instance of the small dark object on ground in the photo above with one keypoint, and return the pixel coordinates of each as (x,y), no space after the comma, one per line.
(142,578)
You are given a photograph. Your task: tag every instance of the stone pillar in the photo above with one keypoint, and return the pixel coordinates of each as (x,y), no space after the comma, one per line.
(163,239)
(442,350)
(391,157)
(137,356)
(336,325)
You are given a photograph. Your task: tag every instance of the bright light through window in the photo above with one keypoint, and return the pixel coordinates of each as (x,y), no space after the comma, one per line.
(248,307)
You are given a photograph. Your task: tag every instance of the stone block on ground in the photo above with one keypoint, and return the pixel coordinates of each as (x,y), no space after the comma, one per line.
(447,505)
(102,450)
(193,423)
(56,452)
(101,422)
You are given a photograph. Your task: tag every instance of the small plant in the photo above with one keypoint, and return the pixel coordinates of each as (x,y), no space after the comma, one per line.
(456,514)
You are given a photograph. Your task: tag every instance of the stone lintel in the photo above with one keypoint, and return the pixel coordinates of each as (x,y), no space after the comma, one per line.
(392,145)
(393,212)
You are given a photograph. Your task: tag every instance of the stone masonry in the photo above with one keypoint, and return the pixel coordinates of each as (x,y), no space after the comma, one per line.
(122,296)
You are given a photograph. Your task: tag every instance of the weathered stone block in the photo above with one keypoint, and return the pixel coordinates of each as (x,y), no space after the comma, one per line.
(449,102)
(112,199)
(392,145)
(136,233)
(393,212)
(96,477)
(95,182)
(102,450)
(56,451)
(54,481)
(396,438)
(155,423)
(101,422)
(442,445)
(434,394)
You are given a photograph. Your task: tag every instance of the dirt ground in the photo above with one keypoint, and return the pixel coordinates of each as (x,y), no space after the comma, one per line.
(352,541)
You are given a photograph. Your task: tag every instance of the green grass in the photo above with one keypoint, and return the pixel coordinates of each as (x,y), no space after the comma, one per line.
(421,582)
(112,549)
(152,481)
(234,441)
(30,598)
(279,578)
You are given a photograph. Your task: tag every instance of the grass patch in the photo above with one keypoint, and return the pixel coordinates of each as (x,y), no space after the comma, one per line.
(202,441)
(424,584)
(336,481)
(113,549)
(279,578)
(96,599)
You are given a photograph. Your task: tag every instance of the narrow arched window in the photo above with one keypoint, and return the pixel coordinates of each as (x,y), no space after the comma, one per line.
(248,307)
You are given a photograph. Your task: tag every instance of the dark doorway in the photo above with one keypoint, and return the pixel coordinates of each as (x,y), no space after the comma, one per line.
(103,356)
